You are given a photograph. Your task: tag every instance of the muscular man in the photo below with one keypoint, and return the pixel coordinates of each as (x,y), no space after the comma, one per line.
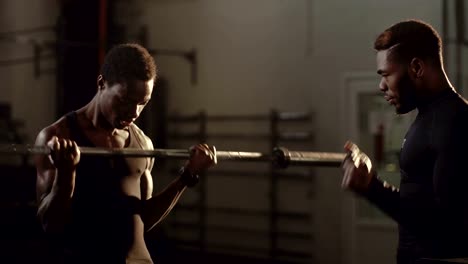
(98,208)
(431,205)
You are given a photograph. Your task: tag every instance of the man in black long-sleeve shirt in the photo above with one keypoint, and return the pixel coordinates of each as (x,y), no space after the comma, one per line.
(431,206)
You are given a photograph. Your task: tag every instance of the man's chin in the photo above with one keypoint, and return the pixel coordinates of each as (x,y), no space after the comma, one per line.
(119,125)
(122,124)
(403,110)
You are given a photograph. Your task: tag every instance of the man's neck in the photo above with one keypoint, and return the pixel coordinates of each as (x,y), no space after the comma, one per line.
(93,113)
(435,85)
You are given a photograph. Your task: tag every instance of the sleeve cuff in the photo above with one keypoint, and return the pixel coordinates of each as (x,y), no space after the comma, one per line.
(375,187)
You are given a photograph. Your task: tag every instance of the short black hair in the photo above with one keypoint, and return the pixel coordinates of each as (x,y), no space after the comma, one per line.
(409,39)
(128,62)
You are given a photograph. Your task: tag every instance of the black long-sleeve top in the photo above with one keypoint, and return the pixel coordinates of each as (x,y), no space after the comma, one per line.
(431,206)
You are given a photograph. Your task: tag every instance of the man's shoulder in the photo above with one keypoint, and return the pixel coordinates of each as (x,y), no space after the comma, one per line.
(452,108)
(462,100)
(142,137)
(462,107)
(58,128)
(138,130)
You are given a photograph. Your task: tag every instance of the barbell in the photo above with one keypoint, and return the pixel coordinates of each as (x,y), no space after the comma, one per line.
(280,156)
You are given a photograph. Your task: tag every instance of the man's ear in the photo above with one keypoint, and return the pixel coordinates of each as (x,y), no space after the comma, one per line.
(100,82)
(417,68)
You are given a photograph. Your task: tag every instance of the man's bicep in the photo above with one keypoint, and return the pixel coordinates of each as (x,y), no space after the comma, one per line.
(44,182)
(146,186)
(45,170)
(150,190)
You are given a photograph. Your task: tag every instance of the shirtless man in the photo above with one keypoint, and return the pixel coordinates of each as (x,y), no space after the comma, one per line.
(96,209)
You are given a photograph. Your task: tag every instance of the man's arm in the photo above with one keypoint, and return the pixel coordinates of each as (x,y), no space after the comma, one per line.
(448,208)
(385,196)
(156,208)
(360,177)
(159,206)
(55,183)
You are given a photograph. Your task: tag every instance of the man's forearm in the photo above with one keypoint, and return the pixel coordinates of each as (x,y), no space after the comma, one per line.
(54,210)
(385,197)
(159,206)
(54,207)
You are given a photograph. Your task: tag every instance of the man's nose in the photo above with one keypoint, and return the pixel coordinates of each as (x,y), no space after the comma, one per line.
(134,111)
(382,85)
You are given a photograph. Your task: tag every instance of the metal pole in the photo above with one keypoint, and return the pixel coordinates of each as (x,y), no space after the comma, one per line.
(281,157)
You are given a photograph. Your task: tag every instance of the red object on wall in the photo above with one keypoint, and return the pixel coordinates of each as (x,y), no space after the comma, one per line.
(379,144)
(102,31)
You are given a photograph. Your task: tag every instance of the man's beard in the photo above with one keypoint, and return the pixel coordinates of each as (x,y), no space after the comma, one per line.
(407,95)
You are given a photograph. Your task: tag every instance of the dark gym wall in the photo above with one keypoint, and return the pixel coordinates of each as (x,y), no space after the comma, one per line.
(82,33)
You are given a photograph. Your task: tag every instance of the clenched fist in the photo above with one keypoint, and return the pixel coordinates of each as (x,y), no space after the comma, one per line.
(201,158)
(65,154)
(357,169)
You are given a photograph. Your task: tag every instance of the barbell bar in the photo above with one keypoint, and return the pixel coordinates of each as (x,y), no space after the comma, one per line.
(280,157)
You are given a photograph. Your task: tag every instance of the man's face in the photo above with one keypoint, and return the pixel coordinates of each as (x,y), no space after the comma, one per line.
(122,103)
(396,83)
